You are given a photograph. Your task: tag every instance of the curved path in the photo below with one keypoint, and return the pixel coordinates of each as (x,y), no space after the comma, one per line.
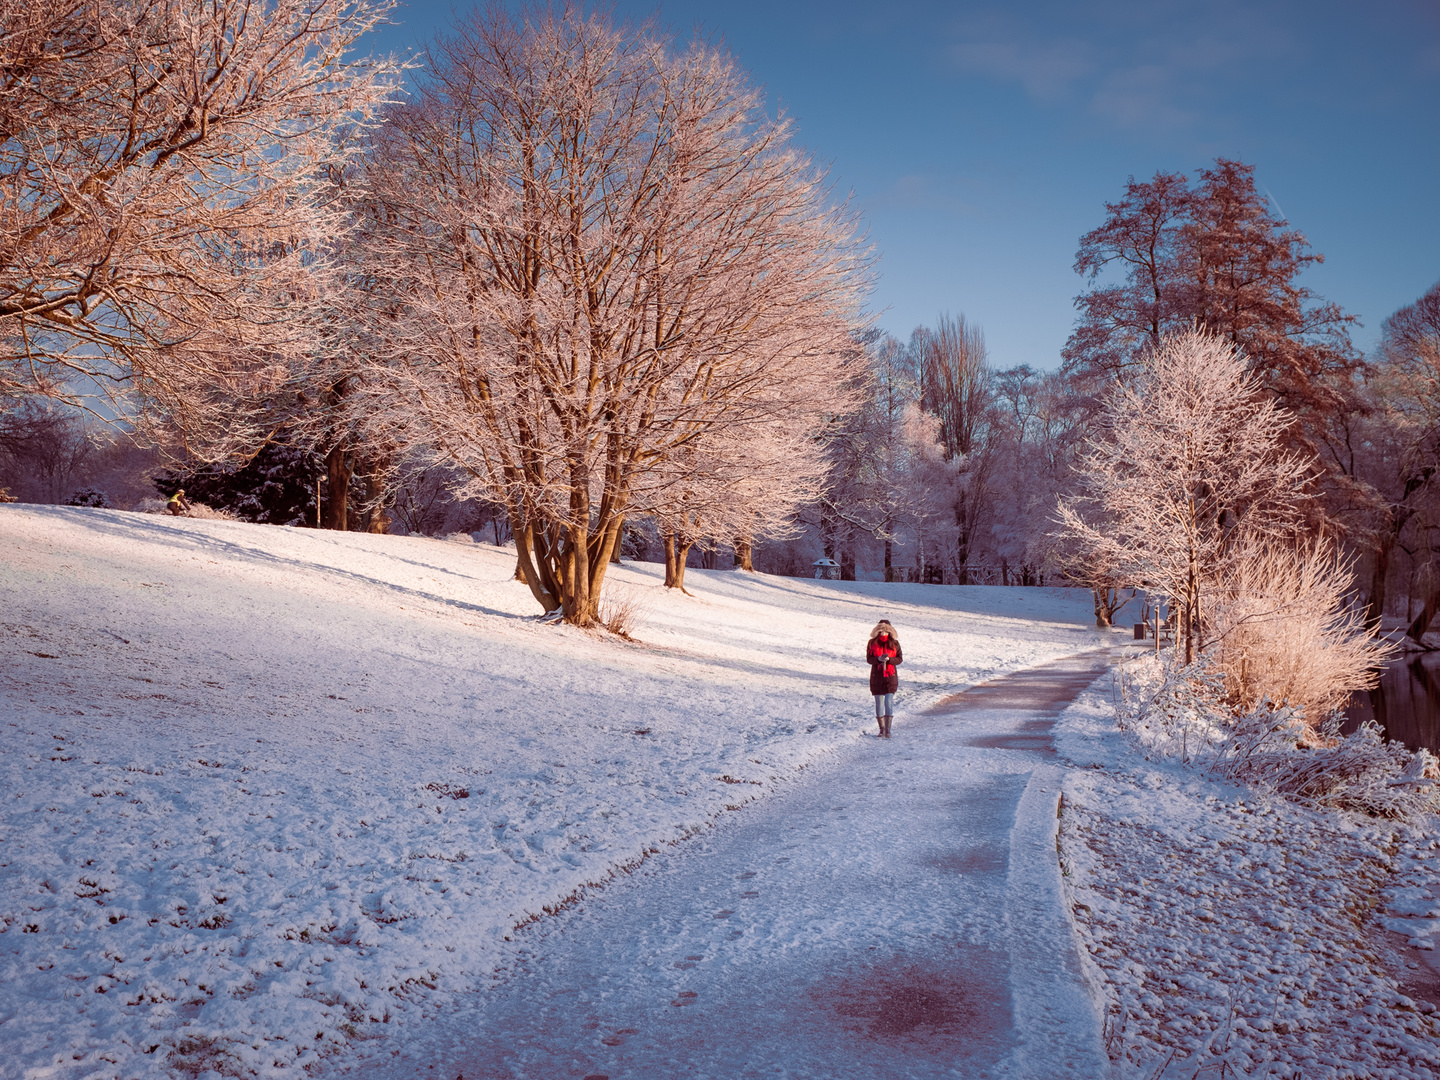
(896,913)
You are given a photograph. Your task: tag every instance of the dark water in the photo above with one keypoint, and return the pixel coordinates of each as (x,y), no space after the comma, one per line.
(1406,703)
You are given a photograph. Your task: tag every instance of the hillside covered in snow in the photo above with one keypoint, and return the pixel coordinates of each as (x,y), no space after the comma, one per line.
(267,789)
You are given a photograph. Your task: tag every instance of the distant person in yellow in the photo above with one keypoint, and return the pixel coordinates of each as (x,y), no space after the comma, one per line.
(178,504)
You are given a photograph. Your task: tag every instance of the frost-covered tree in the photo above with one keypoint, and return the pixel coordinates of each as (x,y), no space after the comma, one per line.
(1189,471)
(602,253)
(1040,424)
(1284,631)
(955,387)
(1402,451)
(164,193)
(740,480)
(868,493)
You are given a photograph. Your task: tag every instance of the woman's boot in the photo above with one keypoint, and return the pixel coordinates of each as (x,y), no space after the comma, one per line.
(887,725)
(880,720)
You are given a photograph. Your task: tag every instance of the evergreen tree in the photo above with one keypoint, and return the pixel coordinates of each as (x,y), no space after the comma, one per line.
(276,486)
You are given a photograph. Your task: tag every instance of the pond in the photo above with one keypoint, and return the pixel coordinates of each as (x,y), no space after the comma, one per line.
(1406,703)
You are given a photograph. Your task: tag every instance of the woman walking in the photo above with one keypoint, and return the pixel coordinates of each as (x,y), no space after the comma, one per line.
(883,654)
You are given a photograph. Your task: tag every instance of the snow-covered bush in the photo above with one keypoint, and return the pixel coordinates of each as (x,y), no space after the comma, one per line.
(1173,710)
(1362,772)
(1282,630)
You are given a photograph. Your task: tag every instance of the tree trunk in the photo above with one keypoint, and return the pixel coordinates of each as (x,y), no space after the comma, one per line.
(339,468)
(1102,608)
(847,565)
(565,564)
(667,541)
(1375,603)
(376,518)
(619,544)
(1422,621)
(677,550)
(744,555)
(889,569)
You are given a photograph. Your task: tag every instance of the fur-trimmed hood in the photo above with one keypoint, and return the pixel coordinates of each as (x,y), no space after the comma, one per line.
(884,627)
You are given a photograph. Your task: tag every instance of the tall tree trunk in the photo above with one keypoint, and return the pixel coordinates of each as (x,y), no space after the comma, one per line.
(677,550)
(667,541)
(889,552)
(339,468)
(619,545)
(376,518)
(744,554)
(1375,603)
(847,565)
(962,544)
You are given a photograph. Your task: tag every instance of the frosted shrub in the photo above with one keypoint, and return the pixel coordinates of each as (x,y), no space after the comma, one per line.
(1362,772)
(1283,631)
(1173,710)
(1169,709)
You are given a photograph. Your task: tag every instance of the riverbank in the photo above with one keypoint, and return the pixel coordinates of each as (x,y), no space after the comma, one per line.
(1232,934)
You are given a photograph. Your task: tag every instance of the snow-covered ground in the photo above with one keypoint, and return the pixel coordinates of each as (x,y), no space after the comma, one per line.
(265,791)
(1238,935)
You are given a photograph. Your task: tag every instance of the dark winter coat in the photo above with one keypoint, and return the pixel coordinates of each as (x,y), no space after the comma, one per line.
(882,657)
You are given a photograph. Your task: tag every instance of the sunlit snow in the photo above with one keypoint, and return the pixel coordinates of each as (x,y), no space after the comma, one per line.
(267,791)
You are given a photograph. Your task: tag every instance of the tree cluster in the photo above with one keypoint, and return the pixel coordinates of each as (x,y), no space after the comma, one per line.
(578,287)
(580,270)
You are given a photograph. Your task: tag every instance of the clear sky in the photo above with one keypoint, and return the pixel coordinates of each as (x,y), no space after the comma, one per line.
(981,140)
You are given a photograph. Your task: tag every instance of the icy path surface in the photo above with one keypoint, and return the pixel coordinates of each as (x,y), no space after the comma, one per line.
(855,925)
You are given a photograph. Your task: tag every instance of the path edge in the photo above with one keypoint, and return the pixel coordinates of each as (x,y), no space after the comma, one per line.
(1059,1011)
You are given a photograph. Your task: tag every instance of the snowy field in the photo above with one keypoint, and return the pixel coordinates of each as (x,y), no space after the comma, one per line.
(1235,935)
(268,792)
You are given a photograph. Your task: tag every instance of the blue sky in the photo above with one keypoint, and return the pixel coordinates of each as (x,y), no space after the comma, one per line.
(980,141)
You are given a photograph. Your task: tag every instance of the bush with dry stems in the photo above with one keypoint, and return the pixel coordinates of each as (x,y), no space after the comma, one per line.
(1283,630)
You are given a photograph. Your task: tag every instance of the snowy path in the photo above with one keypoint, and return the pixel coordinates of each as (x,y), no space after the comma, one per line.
(864,923)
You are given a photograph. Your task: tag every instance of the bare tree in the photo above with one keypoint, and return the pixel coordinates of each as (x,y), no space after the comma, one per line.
(1409,383)
(612,254)
(1211,253)
(868,488)
(44,449)
(1190,470)
(955,386)
(163,182)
